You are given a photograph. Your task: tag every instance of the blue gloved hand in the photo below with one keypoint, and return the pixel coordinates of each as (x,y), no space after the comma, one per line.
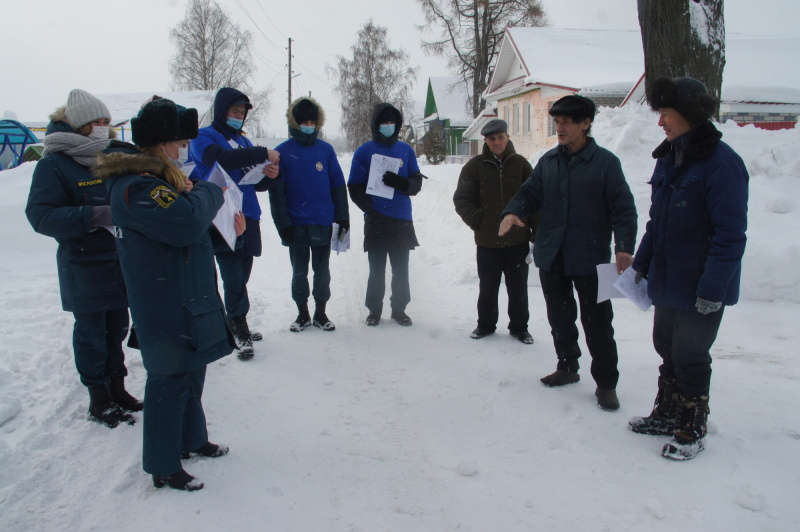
(707,307)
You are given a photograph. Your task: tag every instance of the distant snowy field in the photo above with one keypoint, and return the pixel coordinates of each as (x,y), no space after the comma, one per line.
(421,428)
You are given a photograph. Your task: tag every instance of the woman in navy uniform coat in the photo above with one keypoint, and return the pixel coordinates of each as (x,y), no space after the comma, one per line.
(168,263)
(69,204)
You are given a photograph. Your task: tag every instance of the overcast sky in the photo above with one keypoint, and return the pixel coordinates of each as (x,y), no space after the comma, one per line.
(48,47)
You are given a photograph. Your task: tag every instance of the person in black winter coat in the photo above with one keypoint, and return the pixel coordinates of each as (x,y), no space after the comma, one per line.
(224,143)
(584,199)
(166,249)
(67,203)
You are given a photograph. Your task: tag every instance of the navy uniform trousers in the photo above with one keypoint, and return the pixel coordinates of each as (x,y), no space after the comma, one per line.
(174,421)
(97,343)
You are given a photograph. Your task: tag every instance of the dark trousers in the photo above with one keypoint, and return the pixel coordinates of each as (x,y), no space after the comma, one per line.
(320,263)
(235,272)
(493,264)
(174,421)
(97,343)
(683,339)
(376,284)
(596,319)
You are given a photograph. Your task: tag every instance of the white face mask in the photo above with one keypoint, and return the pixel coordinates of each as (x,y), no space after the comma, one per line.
(99,133)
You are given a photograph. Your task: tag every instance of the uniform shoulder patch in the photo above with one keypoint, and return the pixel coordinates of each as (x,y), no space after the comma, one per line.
(164,196)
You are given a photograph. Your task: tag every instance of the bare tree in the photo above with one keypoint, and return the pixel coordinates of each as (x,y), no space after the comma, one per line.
(683,38)
(212,51)
(470,35)
(375,74)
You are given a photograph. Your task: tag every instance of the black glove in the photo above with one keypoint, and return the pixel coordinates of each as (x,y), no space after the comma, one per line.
(287,234)
(390,179)
(638,277)
(344,226)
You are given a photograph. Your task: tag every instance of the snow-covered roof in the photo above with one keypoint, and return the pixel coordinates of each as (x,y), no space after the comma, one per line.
(473,131)
(567,58)
(123,107)
(451,98)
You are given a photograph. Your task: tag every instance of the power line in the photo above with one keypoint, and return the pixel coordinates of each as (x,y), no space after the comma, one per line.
(270,20)
(278,48)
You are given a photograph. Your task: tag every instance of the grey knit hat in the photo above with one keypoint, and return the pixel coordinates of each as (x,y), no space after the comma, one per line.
(83,108)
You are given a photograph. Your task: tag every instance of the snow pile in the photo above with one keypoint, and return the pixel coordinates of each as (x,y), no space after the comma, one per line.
(418,428)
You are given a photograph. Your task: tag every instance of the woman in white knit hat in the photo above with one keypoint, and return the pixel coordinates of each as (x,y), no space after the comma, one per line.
(67,203)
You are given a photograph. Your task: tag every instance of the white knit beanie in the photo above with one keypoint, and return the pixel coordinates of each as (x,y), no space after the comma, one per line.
(83,108)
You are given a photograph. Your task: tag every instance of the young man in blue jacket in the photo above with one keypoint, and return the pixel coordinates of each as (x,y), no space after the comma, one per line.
(309,197)
(691,255)
(224,142)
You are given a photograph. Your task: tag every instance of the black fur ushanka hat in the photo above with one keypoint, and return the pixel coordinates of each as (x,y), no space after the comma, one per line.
(163,121)
(686,95)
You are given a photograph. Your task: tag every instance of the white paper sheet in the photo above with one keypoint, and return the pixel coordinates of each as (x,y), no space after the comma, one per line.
(378,166)
(337,244)
(636,292)
(187,169)
(606,276)
(255,175)
(224,221)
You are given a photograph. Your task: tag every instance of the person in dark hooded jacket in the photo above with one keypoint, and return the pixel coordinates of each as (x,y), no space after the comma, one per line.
(691,254)
(166,249)
(308,198)
(67,203)
(388,223)
(224,142)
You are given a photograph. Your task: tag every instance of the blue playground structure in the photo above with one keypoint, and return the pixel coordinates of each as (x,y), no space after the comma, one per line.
(14,138)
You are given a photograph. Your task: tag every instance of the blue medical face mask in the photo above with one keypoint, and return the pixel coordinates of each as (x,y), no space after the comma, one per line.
(308,129)
(387,130)
(235,123)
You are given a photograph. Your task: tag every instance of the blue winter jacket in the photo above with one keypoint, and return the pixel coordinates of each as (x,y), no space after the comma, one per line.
(231,149)
(60,206)
(583,199)
(695,238)
(167,259)
(311,190)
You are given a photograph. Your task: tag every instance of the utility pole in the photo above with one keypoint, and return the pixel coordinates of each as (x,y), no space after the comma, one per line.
(290,72)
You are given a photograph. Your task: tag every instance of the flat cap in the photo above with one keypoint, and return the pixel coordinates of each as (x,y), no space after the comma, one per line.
(494,126)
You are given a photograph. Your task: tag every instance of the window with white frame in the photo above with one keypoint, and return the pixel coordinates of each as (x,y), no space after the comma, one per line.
(526,116)
(551,124)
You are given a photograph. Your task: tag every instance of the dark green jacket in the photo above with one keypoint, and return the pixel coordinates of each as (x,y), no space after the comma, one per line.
(583,199)
(485,187)
(168,262)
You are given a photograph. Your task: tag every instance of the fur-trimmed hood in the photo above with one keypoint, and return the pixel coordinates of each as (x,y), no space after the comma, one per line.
(290,119)
(123,158)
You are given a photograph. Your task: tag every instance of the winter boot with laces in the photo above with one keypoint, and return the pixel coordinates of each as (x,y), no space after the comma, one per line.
(103,410)
(116,388)
(661,420)
(243,337)
(689,437)
(303,320)
(321,319)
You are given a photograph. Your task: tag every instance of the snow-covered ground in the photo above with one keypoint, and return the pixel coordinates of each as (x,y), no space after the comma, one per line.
(421,428)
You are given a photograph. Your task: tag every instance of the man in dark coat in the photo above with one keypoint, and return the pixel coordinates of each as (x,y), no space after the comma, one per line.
(583,197)
(388,223)
(691,254)
(486,185)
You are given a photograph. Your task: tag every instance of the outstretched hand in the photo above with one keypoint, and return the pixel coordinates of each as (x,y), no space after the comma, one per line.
(509,221)
(273,156)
